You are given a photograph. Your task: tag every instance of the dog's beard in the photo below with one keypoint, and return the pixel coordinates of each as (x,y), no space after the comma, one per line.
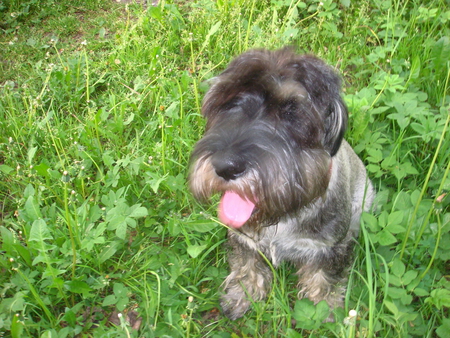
(278,184)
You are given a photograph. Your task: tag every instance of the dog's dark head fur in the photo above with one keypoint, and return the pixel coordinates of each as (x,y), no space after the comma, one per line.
(274,121)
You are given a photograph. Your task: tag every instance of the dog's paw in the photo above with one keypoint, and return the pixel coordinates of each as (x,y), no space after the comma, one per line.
(234,305)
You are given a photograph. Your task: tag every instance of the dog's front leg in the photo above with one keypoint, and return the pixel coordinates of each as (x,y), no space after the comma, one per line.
(249,280)
(324,275)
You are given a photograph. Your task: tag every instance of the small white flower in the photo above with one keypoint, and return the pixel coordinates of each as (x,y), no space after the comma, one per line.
(352,313)
(84,43)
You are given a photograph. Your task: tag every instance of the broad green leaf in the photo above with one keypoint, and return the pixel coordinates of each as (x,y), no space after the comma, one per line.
(414,72)
(116,216)
(6,169)
(16,327)
(440,298)
(175,183)
(172,111)
(137,211)
(155,12)
(409,276)
(108,251)
(155,181)
(398,268)
(195,250)
(304,311)
(52,272)
(395,229)
(396,293)
(395,217)
(322,311)
(13,304)
(39,231)
(371,222)
(32,209)
(213,30)
(202,225)
(122,303)
(42,169)
(70,317)
(31,153)
(120,290)
(443,331)
(385,238)
(7,240)
(76,286)
(131,222)
(109,300)
(440,53)
(290,333)
(421,292)
(129,119)
(391,307)
(121,230)
(406,299)
(173,227)
(378,110)
(24,252)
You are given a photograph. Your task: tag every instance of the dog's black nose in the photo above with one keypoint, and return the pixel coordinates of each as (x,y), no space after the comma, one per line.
(227,166)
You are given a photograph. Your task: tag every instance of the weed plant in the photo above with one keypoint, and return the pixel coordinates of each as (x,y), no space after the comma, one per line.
(99,110)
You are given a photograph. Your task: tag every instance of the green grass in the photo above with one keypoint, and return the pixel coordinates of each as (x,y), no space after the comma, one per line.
(99,110)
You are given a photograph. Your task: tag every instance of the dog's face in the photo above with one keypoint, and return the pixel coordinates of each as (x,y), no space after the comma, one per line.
(274,121)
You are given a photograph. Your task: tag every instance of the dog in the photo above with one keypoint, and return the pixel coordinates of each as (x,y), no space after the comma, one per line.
(292,189)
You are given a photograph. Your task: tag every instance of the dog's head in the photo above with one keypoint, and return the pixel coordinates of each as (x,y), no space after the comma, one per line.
(274,121)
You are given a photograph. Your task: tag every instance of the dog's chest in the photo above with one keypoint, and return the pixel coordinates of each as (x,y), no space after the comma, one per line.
(283,242)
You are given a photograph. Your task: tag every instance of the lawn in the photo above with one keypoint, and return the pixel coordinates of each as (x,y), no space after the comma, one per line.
(99,110)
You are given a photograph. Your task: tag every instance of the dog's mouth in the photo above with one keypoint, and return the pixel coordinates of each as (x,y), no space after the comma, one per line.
(234,210)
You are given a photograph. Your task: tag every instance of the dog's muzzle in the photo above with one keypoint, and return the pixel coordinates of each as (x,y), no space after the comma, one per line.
(227,165)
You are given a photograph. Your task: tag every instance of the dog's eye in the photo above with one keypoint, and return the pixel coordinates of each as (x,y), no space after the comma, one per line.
(288,110)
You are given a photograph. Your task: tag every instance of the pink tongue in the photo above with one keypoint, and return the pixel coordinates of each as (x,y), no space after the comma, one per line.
(234,211)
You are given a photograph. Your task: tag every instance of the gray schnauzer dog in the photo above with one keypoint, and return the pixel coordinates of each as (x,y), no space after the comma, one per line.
(292,188)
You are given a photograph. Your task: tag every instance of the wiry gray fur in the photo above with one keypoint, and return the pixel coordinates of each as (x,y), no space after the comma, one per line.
(274,135)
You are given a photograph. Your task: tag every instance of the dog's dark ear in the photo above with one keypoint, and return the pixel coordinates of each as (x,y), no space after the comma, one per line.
(335,125)
(323,86)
